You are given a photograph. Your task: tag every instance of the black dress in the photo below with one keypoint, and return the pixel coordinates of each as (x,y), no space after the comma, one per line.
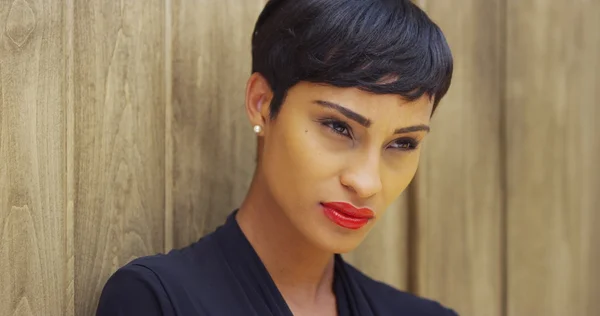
(221,274)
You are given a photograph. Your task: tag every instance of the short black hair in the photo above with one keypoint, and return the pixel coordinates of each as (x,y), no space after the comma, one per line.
(381,46)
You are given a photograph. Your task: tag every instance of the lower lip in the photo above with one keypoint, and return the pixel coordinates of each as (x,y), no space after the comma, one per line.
(344,220)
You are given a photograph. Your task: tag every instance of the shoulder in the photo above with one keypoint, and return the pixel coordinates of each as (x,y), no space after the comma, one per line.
(152,285)
(133,289)
(386,298)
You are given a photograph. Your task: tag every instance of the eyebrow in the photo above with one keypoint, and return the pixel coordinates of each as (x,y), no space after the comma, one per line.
(346,112)
(367,122)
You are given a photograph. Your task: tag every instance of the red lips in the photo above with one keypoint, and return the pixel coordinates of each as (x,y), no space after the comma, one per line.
(346,215)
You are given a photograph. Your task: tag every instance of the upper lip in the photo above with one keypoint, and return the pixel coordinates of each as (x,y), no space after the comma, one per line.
(350,210)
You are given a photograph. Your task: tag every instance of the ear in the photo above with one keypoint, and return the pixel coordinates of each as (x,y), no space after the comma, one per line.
(258,100)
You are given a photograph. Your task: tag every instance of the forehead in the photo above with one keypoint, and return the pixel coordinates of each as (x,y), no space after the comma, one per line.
(377,107)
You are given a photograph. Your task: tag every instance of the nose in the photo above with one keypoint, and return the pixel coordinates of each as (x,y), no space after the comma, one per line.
(362,176)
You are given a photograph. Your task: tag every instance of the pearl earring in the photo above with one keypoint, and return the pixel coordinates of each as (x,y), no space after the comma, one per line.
(257,129)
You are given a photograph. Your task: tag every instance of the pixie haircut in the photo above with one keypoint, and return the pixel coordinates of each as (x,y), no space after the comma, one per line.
(380,46)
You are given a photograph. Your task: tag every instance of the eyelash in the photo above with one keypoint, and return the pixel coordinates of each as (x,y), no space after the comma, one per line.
(335,126)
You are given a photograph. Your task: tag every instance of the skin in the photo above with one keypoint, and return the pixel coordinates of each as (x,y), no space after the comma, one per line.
(312,153)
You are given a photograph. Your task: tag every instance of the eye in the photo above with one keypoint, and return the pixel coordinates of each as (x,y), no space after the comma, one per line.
(405,144)
(338,127)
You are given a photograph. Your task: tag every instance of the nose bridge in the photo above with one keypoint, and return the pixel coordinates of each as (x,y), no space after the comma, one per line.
(363,175)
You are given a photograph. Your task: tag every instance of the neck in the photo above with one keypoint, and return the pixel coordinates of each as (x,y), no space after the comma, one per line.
(302,272)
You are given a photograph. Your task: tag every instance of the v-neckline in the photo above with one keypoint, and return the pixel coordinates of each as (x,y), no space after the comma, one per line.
(257,281)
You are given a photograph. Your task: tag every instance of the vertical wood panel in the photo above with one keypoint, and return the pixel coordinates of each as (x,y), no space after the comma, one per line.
(554,149)
(383,255)
(33,273)
(119,126)
(168,60)
(70,156)
(214,146)
(459,245)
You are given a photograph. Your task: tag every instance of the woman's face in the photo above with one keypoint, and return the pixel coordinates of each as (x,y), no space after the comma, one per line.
(330,144)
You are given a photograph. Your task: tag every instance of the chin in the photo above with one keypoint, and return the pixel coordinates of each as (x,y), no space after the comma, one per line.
(344,250)
(336,239)
(325,234)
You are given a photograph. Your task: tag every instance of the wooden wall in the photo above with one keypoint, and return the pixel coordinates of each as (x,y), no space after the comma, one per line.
(109,112)
(553,159)
(459,186)
(36,271)
(213,143)
(117,177)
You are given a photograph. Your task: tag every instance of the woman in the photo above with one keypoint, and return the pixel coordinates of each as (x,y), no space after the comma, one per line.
(341,96)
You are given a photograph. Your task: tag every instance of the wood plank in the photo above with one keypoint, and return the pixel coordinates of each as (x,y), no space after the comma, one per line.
(70,159)
(169,213)
(214,147)
(553,152)
(33,265)
(119,126)
(383,255)
(458,185)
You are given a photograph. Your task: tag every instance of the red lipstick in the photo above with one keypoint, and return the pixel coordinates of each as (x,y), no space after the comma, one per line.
(346,215)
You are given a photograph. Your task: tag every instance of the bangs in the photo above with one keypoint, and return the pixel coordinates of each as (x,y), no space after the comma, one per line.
(381,46)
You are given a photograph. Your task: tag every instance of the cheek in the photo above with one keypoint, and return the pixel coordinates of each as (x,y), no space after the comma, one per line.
(398,176)
(310,149)
(298,153)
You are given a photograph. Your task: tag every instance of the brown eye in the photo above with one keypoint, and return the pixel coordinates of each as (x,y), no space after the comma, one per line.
(338,127)
(405,144)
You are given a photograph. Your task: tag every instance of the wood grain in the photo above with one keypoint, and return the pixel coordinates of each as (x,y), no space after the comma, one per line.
(33,265)
(119,126)
(553,147)
(383,255)
(69,236)
(214,147)
(459,193)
